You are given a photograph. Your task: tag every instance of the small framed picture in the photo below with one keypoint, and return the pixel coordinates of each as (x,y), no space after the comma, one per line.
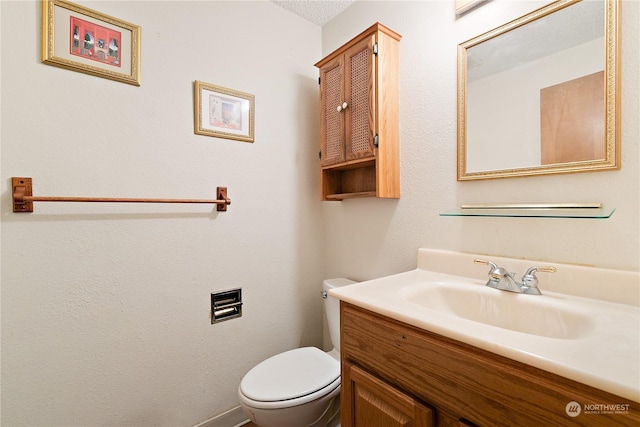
(80,39)
(224,113)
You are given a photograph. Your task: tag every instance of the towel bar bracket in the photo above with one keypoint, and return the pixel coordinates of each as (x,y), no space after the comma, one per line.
(23,198)
(21,187)
(221,194)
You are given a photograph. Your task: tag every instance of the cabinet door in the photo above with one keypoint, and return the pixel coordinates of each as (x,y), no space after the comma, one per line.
(360,95)
(372,402)
(331,119)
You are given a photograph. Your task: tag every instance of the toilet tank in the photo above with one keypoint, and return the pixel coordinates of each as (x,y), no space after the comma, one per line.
(332,308)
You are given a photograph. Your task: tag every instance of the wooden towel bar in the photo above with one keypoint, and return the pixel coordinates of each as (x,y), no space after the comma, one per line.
(23,198)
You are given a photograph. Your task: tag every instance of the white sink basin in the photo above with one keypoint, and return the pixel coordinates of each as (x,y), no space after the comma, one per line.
(584,336)
(530,314)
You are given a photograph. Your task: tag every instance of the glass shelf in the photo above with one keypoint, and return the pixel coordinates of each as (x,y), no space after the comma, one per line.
(534,211)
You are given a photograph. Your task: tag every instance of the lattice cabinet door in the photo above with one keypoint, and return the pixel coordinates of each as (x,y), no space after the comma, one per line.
(359,117)
(331,115)
(360,97)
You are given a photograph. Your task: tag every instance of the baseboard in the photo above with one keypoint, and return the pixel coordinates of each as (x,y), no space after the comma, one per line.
(232,418)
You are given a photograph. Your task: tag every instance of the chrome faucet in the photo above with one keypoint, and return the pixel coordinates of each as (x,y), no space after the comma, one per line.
(500,278)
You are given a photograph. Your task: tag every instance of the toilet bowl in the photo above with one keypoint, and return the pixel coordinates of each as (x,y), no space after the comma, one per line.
(300,387)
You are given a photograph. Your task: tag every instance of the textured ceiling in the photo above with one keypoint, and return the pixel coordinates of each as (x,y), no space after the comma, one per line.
(563,29)
(317,11)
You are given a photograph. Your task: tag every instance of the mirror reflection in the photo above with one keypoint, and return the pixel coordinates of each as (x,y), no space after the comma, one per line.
(534,94)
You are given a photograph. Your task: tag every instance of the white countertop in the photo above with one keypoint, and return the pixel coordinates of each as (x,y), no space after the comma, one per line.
(605,355)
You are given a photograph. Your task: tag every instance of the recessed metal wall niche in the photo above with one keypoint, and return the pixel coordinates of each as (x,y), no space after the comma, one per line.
(226,305)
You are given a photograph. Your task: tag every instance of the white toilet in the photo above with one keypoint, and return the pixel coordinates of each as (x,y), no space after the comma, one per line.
(300,387)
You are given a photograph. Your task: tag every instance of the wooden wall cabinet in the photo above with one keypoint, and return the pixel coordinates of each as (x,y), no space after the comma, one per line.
(394,374)
(359,118)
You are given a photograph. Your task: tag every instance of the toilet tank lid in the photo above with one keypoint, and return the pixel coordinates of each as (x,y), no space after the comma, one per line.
(337,282)
(290,375)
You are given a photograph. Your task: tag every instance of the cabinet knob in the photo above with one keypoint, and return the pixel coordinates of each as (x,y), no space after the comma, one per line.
(342,107)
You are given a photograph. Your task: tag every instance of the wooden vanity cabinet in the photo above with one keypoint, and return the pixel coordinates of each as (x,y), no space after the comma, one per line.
(359,120)
(376,403)
(394,374)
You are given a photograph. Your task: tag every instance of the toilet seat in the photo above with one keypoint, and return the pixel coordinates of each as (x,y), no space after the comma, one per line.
(291,378)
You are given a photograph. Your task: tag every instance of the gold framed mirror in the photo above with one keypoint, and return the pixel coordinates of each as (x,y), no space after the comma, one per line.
(541,94)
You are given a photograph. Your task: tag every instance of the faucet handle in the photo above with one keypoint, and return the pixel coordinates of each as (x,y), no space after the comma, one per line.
(489,263)
(496,272)
(532,271)
(530,280)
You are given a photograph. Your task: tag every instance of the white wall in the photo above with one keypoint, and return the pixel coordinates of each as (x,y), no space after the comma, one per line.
(372,238)
(106,308)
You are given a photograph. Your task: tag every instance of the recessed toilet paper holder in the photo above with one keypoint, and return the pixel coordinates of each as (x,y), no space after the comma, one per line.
(226,305)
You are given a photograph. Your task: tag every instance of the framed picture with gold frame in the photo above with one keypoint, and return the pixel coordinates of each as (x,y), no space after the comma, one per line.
(223,113)
(80,39)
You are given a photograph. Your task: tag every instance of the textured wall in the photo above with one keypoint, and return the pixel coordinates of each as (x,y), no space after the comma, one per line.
(372,238)
(105,308)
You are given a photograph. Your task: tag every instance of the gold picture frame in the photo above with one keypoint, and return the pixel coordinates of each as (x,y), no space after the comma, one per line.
(80,39)
(223,113)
